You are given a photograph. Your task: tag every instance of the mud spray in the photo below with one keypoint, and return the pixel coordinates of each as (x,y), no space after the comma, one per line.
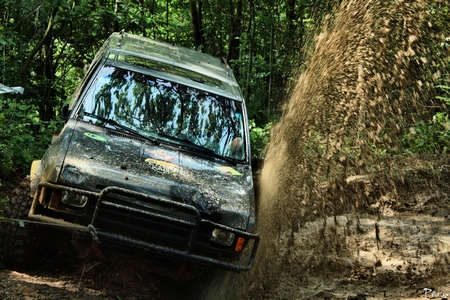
(369,77)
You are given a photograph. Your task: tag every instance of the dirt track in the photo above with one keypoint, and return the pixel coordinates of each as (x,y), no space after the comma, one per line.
(68,278)
(398,249)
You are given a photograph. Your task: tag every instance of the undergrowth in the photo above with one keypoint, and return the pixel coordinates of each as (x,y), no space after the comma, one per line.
(23,137)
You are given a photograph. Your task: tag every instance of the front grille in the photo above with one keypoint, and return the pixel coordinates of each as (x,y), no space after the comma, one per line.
(132,219)
(148,221)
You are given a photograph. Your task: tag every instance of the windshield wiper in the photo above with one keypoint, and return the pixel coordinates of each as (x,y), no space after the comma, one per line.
(122,127)
(195,147)
(184,140)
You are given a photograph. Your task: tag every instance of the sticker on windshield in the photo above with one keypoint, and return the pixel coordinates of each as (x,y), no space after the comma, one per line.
(161,166)
(160,155)
(229,171)
(95,137)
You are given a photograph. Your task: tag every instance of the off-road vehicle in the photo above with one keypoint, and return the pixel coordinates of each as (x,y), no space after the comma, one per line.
(154,157)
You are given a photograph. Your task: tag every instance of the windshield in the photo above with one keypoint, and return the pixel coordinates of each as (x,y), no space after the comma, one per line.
(151,105)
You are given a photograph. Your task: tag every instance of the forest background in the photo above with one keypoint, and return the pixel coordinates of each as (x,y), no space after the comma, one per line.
(46,45)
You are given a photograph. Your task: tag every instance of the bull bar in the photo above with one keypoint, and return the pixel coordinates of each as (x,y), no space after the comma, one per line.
(183,255)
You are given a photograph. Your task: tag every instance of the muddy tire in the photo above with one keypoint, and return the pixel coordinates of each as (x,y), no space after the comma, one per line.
(19,244)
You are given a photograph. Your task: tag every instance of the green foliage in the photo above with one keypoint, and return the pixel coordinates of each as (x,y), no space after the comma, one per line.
(446,97)
(432,136)
(23,137)
(259,138)
(262,40)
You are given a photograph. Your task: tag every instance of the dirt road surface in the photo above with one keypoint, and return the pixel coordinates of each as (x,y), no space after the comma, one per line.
(398,249)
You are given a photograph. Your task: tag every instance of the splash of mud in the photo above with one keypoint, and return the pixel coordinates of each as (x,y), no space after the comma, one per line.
(368,79)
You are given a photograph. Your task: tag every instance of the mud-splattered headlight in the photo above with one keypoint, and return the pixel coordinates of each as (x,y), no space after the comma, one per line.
(73,199)
(222,237)
(73,176)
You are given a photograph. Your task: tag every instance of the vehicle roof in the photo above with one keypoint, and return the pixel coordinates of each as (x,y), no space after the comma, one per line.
(175,56)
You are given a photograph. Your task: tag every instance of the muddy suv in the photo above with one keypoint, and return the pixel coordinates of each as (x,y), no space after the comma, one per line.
(154,157)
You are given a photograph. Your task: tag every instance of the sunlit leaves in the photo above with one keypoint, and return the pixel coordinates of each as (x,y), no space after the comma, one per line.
(23,137)
(259,137)
(431,136)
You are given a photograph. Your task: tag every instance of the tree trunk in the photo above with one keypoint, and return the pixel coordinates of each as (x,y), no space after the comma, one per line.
(291,17)
(236,27)
(143,29)
(251,43)
(116,22)
(196,14)
(38,47)
(47,106)
(167,20)
(272,38)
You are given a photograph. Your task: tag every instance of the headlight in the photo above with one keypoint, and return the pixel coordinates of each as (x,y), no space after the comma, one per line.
(73,199)
(222,237)
(73,176)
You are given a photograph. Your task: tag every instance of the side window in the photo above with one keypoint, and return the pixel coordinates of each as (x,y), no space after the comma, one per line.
(76,95)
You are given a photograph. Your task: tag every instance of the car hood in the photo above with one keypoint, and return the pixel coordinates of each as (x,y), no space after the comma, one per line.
(98,158)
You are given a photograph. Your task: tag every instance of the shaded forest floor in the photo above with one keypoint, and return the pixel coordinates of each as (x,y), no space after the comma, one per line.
(397,249)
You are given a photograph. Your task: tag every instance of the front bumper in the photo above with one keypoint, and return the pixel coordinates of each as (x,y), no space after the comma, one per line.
(167,228)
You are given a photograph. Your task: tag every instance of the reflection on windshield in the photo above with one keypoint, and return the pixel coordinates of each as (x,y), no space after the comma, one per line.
(150,105)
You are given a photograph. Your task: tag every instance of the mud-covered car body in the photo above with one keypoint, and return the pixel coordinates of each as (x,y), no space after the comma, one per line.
(154,156)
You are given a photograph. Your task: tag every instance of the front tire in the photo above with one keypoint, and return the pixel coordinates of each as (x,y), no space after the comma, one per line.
(19,244)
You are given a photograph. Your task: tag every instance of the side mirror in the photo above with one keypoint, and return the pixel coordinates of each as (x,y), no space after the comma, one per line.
(65,111)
